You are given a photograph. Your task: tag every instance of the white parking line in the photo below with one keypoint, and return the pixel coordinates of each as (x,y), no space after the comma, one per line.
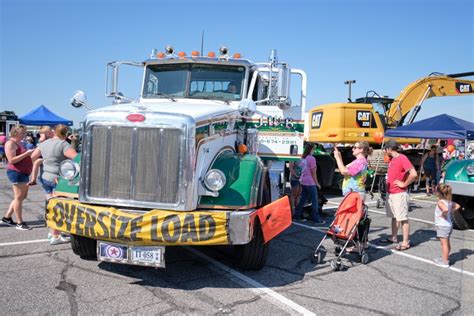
(275,297)
(23,242)
(324,230)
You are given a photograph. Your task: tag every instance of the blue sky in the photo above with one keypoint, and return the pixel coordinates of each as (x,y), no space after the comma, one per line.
(50,48)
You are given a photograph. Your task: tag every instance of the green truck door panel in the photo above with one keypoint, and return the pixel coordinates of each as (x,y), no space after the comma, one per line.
(242,173)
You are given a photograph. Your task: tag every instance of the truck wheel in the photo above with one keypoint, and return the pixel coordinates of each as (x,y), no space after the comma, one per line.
(463,218)
(83,246)
(253,255)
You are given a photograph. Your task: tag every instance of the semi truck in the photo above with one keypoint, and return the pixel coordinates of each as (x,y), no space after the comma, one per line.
(194,161)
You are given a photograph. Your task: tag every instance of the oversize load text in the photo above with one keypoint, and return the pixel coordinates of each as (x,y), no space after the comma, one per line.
(153,227)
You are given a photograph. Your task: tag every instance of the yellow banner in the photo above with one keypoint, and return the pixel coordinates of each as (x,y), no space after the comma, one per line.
(156,227)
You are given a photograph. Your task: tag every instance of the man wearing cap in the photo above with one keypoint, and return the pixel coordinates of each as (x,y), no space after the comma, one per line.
(400,175)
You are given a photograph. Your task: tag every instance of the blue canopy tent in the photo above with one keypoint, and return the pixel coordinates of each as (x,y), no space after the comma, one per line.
(43,116)
(442,126)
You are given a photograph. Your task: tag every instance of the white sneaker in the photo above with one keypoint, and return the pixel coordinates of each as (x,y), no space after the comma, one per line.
(441,263)
(59,240)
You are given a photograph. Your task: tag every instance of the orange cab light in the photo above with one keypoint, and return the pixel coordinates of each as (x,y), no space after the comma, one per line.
(243,149)
(160,55)
(237,55)
(332,135)
(211,54)
(181,54)
(194,53)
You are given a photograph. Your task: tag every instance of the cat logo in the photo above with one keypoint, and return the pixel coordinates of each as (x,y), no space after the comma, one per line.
(363,118)
(463,87)
(316,119)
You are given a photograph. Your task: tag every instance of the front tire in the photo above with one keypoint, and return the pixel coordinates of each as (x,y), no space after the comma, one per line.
(252,256)
(84,247)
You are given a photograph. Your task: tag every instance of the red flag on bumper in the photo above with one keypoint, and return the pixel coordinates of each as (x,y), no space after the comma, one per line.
(275,217)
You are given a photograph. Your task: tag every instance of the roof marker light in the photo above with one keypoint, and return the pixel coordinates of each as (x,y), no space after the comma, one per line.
(160,55)
(181,55)
(194,53)
(211,54)
(237,55)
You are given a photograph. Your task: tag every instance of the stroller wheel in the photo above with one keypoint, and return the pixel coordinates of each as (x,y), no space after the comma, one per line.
(335,265)
(364,259)
(316,258)
(337,251)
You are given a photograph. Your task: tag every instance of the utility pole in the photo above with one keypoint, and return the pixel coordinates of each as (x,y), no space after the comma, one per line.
(350,82)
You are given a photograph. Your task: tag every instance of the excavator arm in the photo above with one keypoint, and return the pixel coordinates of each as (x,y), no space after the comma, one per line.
(435,85)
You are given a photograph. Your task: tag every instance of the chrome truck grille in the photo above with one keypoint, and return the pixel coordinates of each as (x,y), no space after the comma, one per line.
(134,166)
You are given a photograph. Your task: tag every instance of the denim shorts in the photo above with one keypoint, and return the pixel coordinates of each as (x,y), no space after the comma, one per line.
(48,186)
(295,183)
(443,231)
(16,177)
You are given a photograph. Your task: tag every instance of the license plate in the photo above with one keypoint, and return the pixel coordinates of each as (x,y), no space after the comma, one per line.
(136,255)
(112,252)
(147,255)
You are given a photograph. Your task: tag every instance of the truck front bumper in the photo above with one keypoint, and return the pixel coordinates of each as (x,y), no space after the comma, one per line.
(154,227)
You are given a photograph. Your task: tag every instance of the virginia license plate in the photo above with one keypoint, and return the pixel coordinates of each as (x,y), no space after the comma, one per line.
(136,255)
(153,256)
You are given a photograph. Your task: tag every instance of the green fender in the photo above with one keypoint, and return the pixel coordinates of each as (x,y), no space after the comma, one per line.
(243,174)
(69,188)
(456,170)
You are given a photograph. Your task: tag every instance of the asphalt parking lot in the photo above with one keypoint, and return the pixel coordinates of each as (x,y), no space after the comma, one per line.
(38,278)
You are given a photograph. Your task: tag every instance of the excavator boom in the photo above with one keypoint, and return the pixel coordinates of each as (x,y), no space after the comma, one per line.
(435,85)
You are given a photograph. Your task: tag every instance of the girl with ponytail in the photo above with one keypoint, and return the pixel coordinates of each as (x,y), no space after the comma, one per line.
(443,223)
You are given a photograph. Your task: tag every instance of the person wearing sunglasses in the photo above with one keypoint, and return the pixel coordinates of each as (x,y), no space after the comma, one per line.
(355,173)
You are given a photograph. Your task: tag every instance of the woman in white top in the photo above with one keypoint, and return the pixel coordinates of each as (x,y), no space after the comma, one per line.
(443,223)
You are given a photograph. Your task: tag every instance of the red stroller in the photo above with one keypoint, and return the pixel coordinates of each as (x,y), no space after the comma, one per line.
(350,227)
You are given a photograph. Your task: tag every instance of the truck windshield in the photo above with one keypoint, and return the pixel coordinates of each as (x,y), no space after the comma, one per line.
(196,81)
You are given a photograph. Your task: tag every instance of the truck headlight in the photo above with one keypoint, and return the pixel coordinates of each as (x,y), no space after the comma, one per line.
(68,169)
(214,180)
(470,170)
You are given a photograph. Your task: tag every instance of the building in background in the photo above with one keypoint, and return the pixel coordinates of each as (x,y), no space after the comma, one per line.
(8,119)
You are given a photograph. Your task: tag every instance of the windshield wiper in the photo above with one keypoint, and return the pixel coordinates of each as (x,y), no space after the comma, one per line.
(169,97)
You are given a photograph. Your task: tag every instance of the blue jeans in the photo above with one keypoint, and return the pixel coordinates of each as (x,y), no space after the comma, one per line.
(312,192)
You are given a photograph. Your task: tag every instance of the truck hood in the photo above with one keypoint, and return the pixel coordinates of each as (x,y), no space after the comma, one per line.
(198,110)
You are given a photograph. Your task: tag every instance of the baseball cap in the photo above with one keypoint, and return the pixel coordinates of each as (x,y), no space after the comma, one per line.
(391,144)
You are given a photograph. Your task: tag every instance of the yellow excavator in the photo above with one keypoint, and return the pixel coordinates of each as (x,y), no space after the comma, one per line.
(367,118)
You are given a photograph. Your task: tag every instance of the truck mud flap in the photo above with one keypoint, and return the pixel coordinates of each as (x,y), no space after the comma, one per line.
(275,218)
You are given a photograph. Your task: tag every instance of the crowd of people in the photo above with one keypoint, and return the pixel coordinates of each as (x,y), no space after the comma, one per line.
(26,164)
(400,175)
(38,158)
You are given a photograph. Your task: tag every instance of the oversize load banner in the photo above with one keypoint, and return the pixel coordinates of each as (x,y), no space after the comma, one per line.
(155,227)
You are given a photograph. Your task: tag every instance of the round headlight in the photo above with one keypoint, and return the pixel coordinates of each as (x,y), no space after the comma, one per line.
(214,180)
(68,169)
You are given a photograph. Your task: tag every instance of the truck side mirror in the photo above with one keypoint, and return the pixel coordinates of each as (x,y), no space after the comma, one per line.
(78,99)
(284,75)
(283,90)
